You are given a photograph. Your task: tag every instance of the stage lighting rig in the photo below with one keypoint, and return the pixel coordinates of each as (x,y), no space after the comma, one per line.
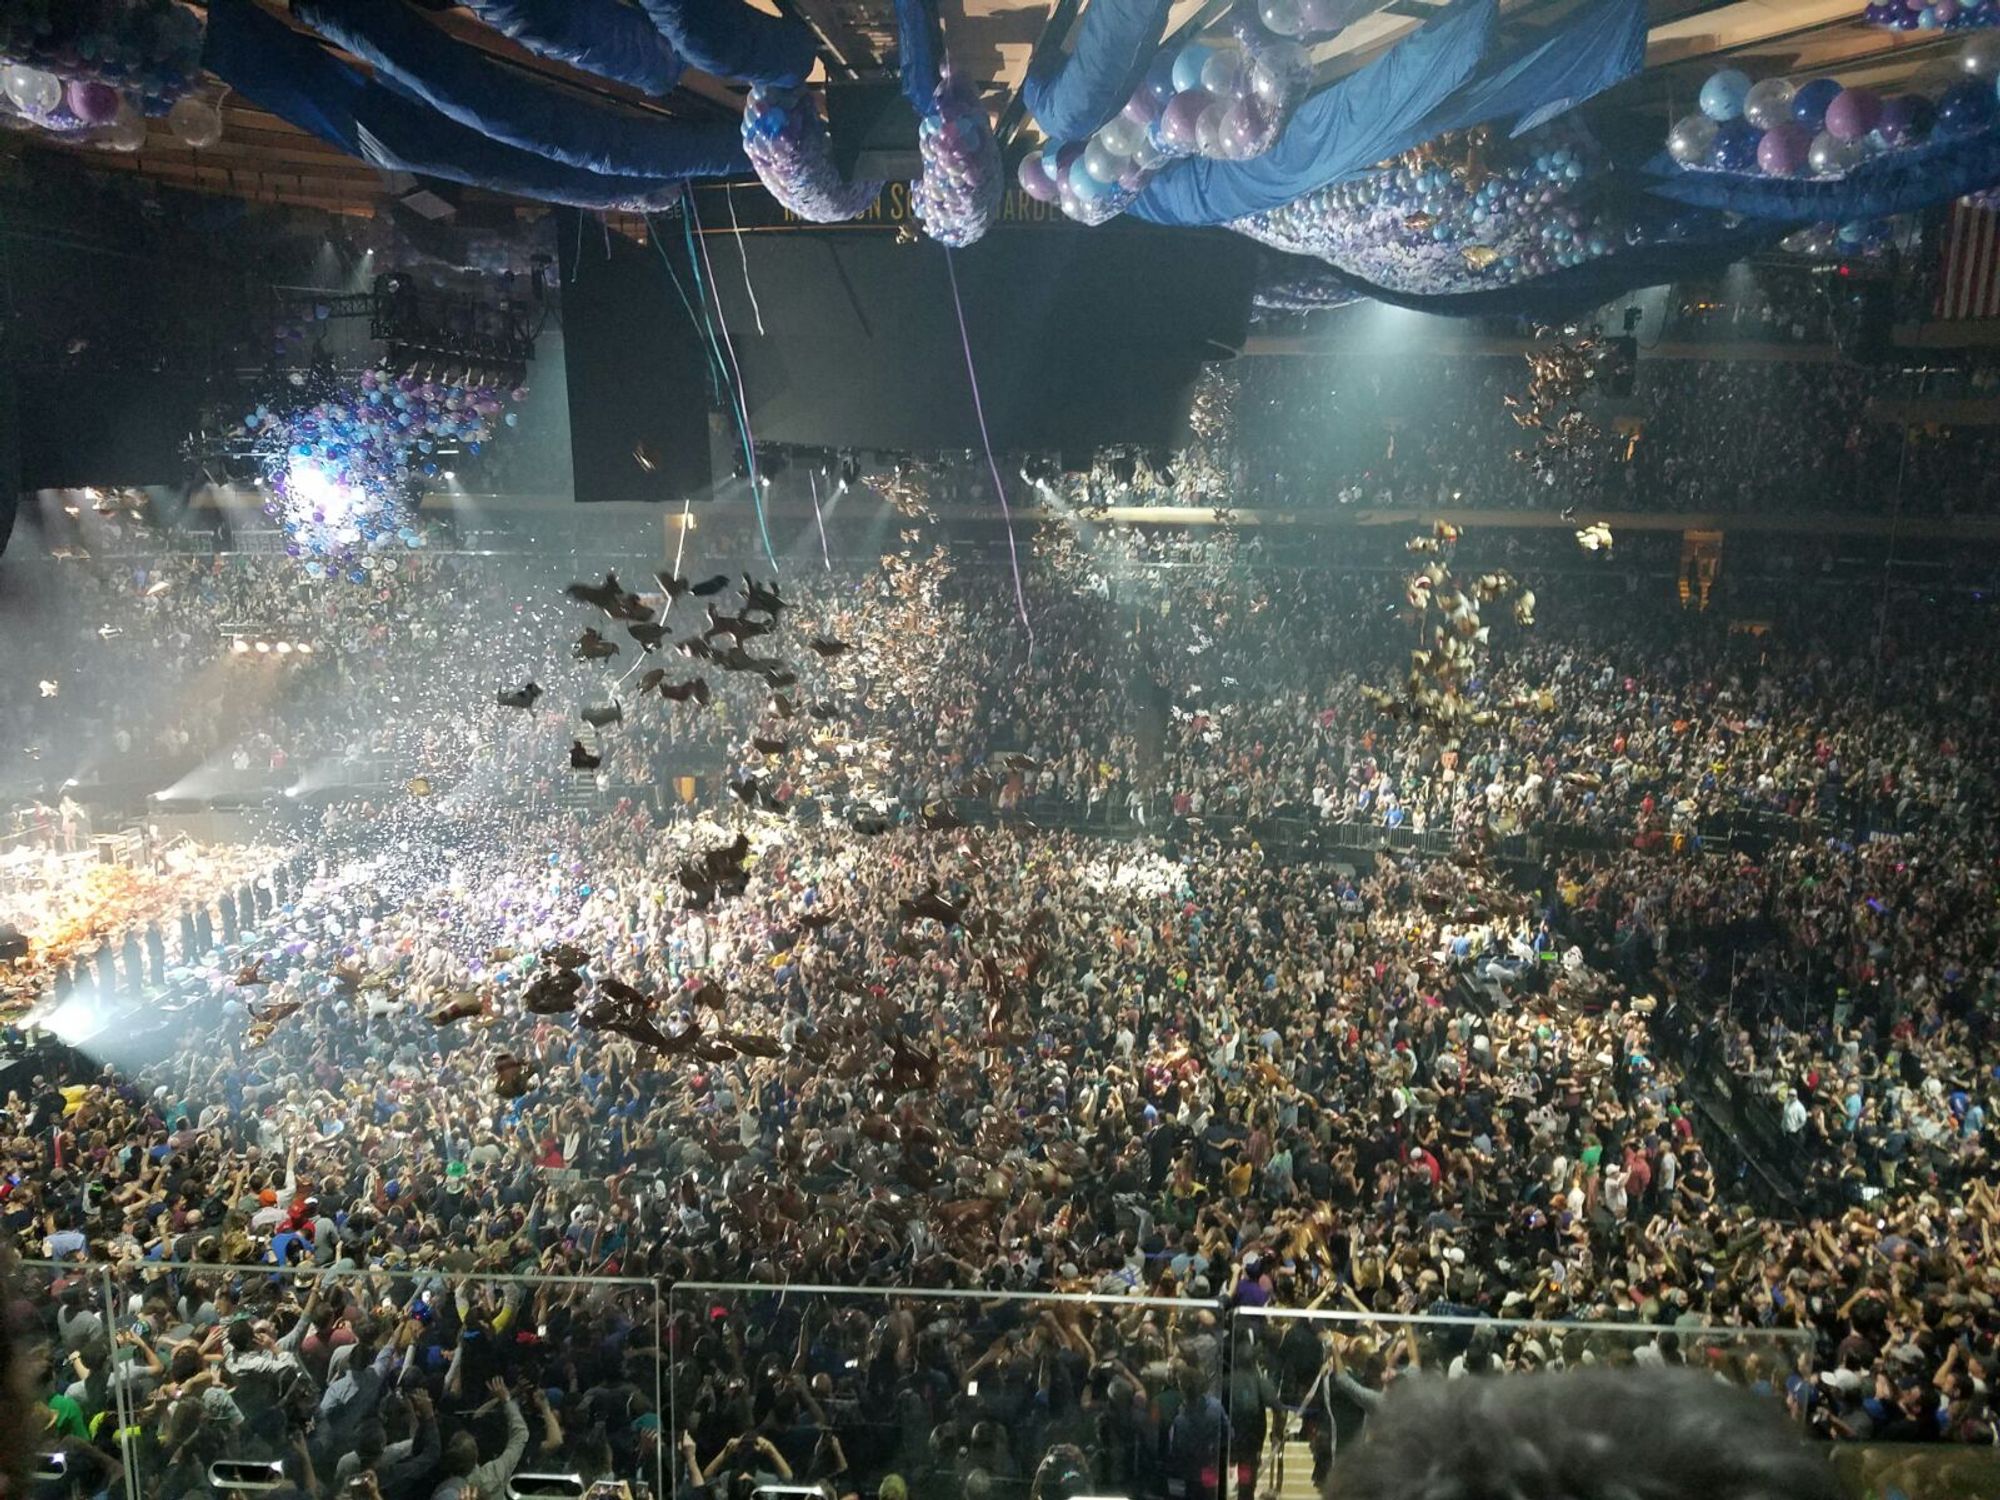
(452,330)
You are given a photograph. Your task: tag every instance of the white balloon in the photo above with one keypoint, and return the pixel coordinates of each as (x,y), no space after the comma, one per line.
(32,91)
(196,121)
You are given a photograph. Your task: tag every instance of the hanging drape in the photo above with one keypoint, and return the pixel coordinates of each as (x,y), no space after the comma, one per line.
(732,39)
(1372,113)
(515,107)
(290,75)
(1070,97)
(1438,79)
(1898,182)
(605,37)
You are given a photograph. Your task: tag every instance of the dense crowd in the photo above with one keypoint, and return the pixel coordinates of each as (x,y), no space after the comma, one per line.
(1714,436)
(1232,1061)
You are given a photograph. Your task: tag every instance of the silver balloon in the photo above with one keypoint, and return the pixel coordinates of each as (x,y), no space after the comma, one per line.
(126,133)
(1829,156)
(1208,130)
(1121,136)
(1980,56)
(1285,57)
(1148,157)
(1101,163)
(1222,74)
(1769,103)
(1276,69)
(196,121)
(1281,17)
(1691,140)
(33,92)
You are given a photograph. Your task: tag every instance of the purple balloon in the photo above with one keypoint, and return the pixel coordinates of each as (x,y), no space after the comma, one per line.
(92,102)
(1853,113)
(1906,119)
(1142,108)
(1035,180)
(1782,152)
(1177,125)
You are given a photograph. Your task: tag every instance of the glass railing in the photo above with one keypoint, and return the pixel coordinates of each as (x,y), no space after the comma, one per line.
(985,1396)
(211,1378)
(175,1380)
(1002,1395)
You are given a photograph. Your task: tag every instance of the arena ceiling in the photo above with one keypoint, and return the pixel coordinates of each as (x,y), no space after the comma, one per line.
(262,158)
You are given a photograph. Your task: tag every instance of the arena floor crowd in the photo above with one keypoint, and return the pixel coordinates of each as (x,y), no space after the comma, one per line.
(1151,962)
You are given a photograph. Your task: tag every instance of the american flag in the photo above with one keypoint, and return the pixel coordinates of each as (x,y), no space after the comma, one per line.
(1970,285)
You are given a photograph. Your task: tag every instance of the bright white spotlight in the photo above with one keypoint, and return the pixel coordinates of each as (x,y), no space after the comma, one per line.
(73,1022)
(330,503)
(239,646)
(305,648)
(263,648)
(284,648)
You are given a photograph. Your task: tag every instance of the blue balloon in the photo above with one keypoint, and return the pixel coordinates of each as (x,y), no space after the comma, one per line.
(1160,77)
(1722,95)
(1810,100)
(1965,107)
(1086,186)
(1187,67)
(1735,148)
